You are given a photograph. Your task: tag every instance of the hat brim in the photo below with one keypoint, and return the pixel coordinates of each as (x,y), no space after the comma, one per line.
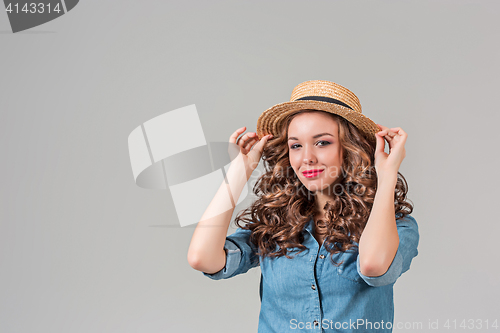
(270,120)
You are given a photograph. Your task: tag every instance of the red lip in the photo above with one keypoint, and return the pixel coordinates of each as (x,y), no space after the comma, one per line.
(312,173)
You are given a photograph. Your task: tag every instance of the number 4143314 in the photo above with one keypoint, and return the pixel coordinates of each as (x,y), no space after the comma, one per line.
(32,8)
(471,324)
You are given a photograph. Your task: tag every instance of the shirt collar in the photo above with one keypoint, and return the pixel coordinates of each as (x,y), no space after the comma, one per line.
(310,226)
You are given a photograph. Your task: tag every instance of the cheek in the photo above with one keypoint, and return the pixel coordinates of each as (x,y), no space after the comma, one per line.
(329,157)
(295,163)
(333,161)
(293,160)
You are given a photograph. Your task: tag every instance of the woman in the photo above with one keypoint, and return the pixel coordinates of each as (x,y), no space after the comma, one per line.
(330,228)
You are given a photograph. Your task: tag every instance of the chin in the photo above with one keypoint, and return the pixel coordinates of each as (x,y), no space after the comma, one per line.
(316,187)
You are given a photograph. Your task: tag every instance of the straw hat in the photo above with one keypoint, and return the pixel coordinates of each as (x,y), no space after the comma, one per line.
(318,95)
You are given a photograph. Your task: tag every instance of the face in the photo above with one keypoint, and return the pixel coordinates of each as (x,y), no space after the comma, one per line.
(313,144)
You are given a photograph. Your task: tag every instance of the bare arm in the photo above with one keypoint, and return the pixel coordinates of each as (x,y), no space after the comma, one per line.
(379,241)
(206,251)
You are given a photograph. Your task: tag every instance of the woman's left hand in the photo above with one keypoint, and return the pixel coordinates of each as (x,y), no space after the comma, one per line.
(388,164)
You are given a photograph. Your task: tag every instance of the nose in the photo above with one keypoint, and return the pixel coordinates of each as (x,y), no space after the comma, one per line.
(309,156)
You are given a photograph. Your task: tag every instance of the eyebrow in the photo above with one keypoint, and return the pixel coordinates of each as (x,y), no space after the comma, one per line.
(314,137)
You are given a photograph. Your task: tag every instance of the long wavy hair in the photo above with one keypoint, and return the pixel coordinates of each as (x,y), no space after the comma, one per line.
(284,205)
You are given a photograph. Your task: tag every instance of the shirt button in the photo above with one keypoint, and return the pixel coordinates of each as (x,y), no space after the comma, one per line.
(315,322)
(322,256)
(313,287)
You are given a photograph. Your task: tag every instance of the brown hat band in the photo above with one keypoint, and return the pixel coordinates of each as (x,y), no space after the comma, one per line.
(324,99)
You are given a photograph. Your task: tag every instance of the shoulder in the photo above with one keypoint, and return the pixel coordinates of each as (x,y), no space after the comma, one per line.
(406,220)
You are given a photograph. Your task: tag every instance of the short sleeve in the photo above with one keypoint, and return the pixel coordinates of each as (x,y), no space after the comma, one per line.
(407,250)
(241,255)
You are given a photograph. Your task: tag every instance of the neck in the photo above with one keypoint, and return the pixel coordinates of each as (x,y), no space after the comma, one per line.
(321,200)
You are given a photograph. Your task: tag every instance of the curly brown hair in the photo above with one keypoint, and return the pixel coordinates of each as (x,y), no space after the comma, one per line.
(284,205)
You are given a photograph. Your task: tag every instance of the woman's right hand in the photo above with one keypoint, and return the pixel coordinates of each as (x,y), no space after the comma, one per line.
(250,156)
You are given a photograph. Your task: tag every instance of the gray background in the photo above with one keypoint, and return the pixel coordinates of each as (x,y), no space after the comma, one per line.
(83,249)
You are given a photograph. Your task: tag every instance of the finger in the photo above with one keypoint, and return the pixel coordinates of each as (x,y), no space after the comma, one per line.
(244,138)
(400,134)
(249,144)
(233,136)
(243,141)
(386,134)
(259,147)
(390,135)
(399,131)
(380,147)
(390,131)
(398,142)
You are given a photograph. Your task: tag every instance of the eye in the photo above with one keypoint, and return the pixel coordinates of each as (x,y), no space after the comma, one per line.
(326,143)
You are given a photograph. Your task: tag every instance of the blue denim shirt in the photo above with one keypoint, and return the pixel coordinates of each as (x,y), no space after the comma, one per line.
(309,294)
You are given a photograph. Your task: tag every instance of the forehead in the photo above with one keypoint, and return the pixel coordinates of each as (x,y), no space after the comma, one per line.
(312,122)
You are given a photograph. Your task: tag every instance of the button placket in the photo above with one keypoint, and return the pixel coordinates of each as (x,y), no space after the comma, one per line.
(316,269)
